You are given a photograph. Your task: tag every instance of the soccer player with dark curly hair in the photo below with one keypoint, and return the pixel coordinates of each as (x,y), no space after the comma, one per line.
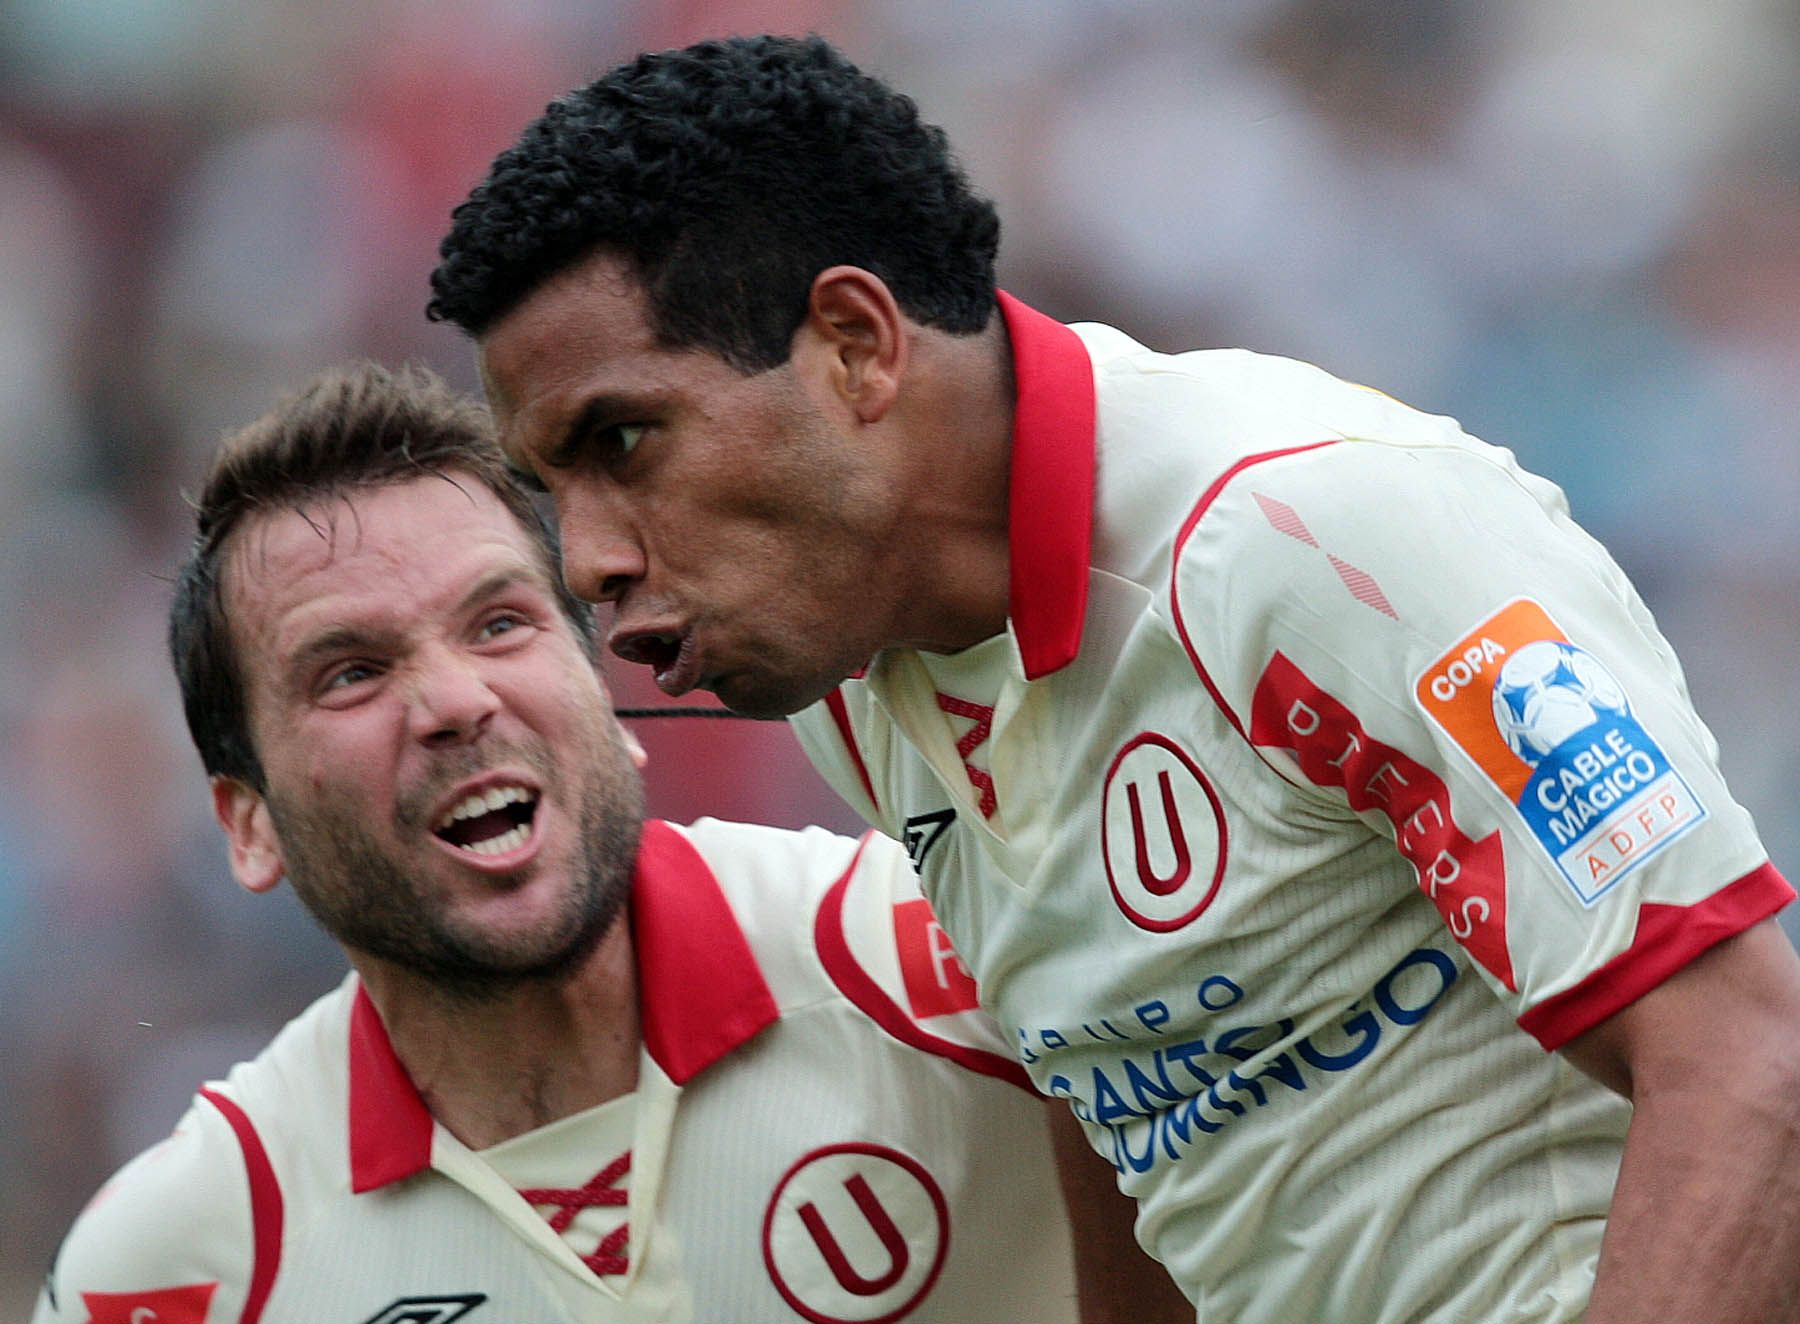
(1316,804)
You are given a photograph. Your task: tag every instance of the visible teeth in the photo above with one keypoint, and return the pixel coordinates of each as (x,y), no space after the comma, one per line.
(510,840)
(478,803)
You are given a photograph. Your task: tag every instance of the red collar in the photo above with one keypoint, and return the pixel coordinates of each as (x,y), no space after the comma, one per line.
(1051,505)
(700,995)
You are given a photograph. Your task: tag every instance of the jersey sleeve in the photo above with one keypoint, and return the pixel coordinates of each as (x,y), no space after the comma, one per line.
(884,949)
(1415,634)
(168,1239)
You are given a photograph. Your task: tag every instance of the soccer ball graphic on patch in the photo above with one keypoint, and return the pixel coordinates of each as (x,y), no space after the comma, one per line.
(1549,692)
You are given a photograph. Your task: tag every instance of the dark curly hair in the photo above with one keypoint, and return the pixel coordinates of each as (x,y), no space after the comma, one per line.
(729,174)
(349,429)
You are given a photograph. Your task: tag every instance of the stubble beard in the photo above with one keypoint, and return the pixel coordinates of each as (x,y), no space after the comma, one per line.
(362,895)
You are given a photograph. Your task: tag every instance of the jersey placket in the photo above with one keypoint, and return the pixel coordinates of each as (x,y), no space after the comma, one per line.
(656,1100)
(950,728)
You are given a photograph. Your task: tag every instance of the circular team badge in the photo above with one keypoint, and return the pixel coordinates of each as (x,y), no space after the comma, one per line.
(1162,834)
(856,1234)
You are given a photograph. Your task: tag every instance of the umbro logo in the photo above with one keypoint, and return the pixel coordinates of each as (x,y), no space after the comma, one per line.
(922,831)
(427,1309)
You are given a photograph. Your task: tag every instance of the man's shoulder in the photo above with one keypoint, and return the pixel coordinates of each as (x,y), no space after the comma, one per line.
(1213,408)
(840,922)
(755,856)
(782,885)
(173,1225)
(1185,439)
(298,1082)
(270,1105)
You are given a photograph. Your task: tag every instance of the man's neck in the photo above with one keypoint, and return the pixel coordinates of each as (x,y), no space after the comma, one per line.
(492,1069)
(960,456)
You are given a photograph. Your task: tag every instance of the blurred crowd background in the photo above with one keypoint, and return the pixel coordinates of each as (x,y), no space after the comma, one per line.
(1575,227)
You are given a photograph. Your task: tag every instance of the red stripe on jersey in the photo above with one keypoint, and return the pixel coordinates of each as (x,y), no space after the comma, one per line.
(1667,938)
(834,704)
(860,987)
(265,1206)
(1050,490)
(973,739)
(1465,879)
(1187,528)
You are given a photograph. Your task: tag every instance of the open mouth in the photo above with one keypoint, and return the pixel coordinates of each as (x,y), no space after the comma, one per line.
(490,822)
(670,657)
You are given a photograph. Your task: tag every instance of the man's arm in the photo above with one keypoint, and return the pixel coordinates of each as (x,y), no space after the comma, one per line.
(1705,1222)
(1115,1281)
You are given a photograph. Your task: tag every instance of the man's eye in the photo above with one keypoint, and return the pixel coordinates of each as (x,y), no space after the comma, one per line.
(500,625)
(623,438)
(602,445)
(350,673)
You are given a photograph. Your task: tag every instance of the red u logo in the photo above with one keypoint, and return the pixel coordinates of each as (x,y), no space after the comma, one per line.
(1161,887)
(811,1231)
(1184,863)
(839,1263)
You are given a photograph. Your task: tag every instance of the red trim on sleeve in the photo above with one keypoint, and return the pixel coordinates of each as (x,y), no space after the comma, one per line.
(1200,508)
(860,987)
(1050,495)
(840,713)
(390,1126)
(700,991)
(1668,937)
(265,1205)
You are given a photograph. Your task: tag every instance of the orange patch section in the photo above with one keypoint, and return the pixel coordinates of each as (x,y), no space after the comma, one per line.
(1457,690)
(937,982)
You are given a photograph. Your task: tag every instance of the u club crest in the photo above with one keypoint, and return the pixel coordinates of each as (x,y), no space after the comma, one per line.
(1162,834)
(856,1234)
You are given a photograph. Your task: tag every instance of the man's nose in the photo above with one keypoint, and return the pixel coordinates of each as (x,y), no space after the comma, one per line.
(602,558)
(452,700)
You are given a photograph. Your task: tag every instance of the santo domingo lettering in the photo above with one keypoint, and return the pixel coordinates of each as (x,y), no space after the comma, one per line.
(1157,1104)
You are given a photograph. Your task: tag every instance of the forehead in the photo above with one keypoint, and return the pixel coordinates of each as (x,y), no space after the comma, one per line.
(394,552)
(585,332)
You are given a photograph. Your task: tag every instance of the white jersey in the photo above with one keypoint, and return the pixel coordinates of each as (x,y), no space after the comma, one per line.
(824,1129)
(1330,750)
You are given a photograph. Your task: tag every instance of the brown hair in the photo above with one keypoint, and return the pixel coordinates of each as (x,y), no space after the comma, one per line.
(354,427)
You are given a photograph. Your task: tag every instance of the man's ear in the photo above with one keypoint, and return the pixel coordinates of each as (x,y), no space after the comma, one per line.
(634,747)
(250,837)
(855,327)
